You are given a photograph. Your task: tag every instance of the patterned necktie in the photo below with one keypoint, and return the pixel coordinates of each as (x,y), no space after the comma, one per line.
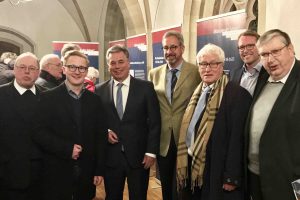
(173,81)
(198,110)
(119,102)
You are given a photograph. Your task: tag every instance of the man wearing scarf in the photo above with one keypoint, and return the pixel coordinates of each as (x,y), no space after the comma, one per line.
(210,148)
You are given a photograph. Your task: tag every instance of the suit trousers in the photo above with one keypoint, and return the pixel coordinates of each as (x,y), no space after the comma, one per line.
(167,171)
(254,186)
(137,181)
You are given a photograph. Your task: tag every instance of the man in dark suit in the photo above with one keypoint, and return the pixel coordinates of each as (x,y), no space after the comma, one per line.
(273,128)
(248,74)
(134,128)
(210,148)
(71,129)
(20,159)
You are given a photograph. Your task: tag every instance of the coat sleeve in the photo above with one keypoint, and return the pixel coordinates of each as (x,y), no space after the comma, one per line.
(154,120)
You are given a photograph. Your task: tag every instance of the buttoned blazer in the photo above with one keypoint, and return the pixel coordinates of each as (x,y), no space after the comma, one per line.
(139,130)
(279,154)
(16,145)
(171,114)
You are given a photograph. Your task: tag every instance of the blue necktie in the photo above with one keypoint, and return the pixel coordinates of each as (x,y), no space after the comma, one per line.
(119,102)
(173,81)
(198,110)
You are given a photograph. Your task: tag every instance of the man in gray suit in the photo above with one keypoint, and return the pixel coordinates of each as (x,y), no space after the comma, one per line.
(273,128)
(174,84)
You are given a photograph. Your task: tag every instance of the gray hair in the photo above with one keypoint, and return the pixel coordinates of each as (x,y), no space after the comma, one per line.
(176,34)
(45,59)
(212,49)
(27,54)
(115,49)
(269,35)
(92,73)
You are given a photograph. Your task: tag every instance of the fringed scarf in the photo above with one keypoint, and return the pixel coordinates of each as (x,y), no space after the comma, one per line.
(205,128)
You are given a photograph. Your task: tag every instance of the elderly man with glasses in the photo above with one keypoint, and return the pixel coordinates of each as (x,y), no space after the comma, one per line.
(20,158)
(210,147)
(51,71)
(273,128)
(71,129)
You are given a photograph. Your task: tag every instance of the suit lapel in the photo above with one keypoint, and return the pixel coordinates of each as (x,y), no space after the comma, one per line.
(287,90)
(183,75)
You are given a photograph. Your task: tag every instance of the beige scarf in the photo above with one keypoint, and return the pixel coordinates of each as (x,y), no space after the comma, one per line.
(199,147)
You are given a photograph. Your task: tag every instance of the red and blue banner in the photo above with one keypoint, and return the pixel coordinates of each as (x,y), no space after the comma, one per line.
(137,47)
(223,30)
(158,54)
(91,49)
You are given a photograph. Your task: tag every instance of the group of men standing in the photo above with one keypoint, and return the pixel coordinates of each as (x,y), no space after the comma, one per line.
(215,137)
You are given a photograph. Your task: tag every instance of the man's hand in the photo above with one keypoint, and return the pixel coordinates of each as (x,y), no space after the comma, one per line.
(76,151)
(98,180)
(112,137)
(148,161)
(228,187)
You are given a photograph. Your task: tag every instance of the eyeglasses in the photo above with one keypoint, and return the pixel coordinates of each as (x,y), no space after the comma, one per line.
(247,46)
(171,48)
(212,65)
(274,53)
(73,68)
(25,68)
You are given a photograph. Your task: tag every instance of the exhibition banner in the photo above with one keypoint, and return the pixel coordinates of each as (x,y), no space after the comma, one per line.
(91,49)
(137,47)
(158,54)
(223,30)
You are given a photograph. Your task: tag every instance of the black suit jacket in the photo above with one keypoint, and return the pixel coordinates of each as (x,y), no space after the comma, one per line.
(56,132)
(16,146)
(139,129)
(279,154)
(236,75)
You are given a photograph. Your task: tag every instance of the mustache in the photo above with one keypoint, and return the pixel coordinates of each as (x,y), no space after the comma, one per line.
(171,54)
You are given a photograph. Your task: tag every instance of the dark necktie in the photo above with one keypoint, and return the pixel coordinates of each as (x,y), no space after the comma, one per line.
(173,81)
(119,102)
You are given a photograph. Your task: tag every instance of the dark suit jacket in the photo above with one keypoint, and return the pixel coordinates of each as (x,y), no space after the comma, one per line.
(224,159)
(139,129)
(236,75)
(16,146)
(279,154)
(56,132)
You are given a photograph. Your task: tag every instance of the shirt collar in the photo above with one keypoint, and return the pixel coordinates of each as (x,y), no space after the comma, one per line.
(126,82)
(73,94)
(21,89)
(257,67)
(177,67)
(284,79)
